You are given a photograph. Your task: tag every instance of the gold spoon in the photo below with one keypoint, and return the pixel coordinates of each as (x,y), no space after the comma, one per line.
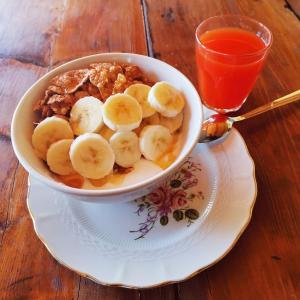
(217,126)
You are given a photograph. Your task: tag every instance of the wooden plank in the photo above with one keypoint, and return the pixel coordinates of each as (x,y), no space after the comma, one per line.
(195,288)
(168,292)
(264,262)
(27,29)
(95,26)
(15,78)
(90,290)
(30,272)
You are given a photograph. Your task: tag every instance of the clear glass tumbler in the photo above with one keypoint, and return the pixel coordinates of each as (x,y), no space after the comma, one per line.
(230,54)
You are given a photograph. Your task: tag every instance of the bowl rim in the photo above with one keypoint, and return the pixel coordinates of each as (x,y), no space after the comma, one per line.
(101,192)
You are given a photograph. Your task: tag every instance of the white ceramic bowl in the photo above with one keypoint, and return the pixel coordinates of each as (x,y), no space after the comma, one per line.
(22,127)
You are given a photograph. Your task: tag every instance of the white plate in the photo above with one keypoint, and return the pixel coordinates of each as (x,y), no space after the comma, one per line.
(126,244)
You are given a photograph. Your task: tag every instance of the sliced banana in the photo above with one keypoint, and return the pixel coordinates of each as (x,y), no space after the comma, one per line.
(106,132)
(165,99)
(58,158)
(92,156)
(122,113)
(155,140)
(86,115)
(172,123)
(140,92)
(49,131)
(126,148)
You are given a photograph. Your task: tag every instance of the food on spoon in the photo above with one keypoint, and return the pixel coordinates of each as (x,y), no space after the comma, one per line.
(92,156)
(58,158)
(49,131)
(126,148)
(122,113)
(155,140)
(86,115)
(173,123)
(140,92)
(165,99)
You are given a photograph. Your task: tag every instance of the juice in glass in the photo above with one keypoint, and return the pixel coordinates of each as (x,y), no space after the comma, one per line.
(229,60)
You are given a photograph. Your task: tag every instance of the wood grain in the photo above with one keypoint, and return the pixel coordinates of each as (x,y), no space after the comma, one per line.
(294,6)
(260,266)
(15,78)
(27,29)
(91,290)
(30,273)
(87,29)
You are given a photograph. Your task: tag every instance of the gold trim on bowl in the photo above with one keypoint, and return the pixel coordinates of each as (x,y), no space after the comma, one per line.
(165,282)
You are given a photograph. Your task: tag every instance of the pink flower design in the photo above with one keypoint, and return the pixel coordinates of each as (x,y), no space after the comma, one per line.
(171,200)
(179,198)
(158,196)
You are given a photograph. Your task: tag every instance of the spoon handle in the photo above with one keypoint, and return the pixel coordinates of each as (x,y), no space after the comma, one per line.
(276,103)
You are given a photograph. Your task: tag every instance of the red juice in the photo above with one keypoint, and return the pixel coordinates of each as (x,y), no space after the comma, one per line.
(229,62)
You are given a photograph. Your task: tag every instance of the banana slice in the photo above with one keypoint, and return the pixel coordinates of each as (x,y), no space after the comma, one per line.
(122,113)
(155,140)
(172,123)
(165,99)
(106,132)
(140,92)
(58,158)
(126,148)
(49,131)
(86,115)
(92,156)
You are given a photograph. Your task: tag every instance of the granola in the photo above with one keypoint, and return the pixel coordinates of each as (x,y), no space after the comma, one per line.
(99,80)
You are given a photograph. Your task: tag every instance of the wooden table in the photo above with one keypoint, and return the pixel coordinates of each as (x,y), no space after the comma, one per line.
(37,35)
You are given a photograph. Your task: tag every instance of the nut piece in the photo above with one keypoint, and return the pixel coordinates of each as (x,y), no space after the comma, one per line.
(103,76)
(61,104)
(120,84)
(133,72)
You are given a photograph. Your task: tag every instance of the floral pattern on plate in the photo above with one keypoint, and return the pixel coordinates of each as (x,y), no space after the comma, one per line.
(174,200)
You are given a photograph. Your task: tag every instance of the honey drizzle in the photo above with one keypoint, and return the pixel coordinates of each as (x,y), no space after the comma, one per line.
(171,154)
(115,179)
(73,180)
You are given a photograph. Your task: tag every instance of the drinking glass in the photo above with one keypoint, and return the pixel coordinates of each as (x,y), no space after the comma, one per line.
(230,54)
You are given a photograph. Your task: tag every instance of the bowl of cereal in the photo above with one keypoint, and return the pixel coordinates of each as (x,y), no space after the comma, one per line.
(107,127)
